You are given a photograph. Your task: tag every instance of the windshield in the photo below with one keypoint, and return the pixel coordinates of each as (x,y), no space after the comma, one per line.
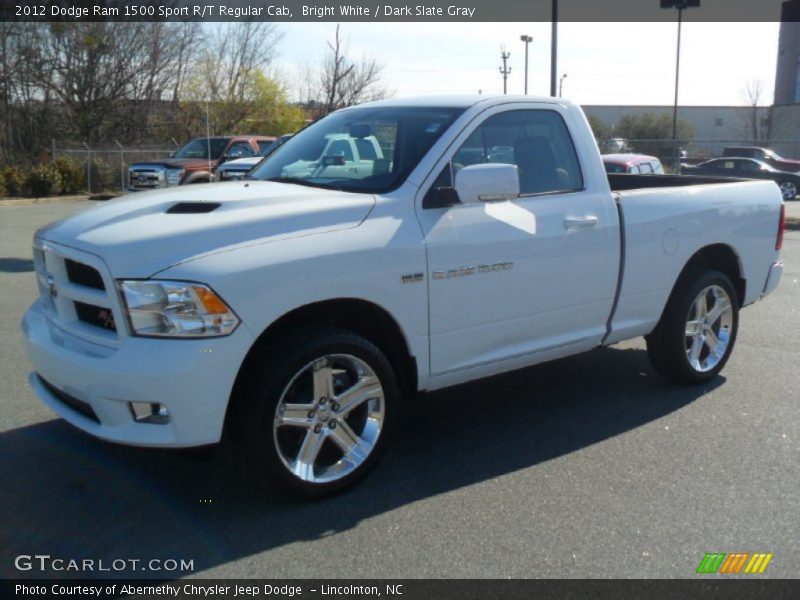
(772,154)
(199,148)
(360,149)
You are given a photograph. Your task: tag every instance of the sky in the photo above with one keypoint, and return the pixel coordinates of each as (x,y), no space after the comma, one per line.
(605,63)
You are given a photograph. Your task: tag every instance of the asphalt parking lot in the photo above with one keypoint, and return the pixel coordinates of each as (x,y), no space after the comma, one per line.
(591,466)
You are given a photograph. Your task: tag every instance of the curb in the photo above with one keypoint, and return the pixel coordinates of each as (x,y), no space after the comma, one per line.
(792,224)
(54,199)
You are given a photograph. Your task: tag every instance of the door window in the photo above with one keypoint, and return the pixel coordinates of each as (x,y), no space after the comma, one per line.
(536,141)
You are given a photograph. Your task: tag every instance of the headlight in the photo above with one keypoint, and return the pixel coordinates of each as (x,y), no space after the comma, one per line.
(175,309)
(174,176)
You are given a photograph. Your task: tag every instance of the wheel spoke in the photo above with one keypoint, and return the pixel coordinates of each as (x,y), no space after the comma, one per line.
(364,389)
(711,341)
(694,351)
(721,305)
(307,455)
(701,306)
(350,444)
(295,415)
(691,328)
(323,380)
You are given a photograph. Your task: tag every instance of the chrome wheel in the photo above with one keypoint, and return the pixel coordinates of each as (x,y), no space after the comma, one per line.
(789,190)
(708,328)
(329,418)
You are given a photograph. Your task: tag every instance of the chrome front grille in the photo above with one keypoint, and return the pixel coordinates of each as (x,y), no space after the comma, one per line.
(146,178)
(77,293)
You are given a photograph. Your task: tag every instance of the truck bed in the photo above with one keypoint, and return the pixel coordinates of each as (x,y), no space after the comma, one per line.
(621,182)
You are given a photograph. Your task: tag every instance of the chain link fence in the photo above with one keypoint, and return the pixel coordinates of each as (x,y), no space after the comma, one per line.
(106,166)
(672,154)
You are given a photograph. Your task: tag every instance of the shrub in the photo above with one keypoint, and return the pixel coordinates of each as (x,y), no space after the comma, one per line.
(2,187)
(104,176)
(73,175)
(42,180)
(13,180)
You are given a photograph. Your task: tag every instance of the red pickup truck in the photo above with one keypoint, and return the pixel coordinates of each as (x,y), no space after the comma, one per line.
(195,162)
(766,155)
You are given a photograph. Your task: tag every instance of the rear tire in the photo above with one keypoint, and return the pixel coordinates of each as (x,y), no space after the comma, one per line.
(697,331)
(317,409)
(788,190)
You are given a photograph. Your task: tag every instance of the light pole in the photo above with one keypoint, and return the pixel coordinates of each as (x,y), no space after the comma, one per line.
(561,84)
(680,5)
(527,39)
(553,47)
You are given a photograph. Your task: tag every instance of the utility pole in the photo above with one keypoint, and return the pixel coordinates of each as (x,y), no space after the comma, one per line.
(554,48)
(505,70)
(527,39)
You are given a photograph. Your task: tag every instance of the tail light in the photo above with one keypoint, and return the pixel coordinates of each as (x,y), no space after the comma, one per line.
(781,227)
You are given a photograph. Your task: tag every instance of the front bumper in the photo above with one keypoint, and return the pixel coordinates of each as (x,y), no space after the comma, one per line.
(192,378)
(773,278)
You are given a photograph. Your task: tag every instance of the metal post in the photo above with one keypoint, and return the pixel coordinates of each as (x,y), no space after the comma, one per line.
(527,39)
(561,84)
(554,49)
(88,167)
(121,165)
(675,105)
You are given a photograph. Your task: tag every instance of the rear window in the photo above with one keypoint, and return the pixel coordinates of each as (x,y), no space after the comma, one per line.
(615,168)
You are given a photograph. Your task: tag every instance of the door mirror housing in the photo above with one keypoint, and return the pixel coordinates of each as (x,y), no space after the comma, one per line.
(487,182)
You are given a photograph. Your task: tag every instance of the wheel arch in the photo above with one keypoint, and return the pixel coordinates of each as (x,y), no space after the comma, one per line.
(198,177)
(719,257)
(361,316)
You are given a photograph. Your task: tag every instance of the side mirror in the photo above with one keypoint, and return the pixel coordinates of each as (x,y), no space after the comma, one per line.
(487,182)
(172,155)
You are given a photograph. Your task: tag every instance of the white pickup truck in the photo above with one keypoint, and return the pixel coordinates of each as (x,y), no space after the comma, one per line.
(297,313)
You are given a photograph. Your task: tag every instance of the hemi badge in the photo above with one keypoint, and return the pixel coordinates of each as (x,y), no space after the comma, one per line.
(412,278)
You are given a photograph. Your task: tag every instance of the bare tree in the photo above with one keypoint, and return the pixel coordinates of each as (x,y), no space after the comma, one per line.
(221,78)
(105,77)
(752,94)
(342,81)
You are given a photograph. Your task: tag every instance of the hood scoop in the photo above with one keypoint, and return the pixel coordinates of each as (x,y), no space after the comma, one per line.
(192,208)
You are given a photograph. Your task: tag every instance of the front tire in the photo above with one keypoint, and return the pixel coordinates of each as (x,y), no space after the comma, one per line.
(697,332)
(317,413)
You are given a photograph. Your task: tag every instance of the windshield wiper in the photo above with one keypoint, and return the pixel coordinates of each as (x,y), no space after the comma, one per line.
(301,181)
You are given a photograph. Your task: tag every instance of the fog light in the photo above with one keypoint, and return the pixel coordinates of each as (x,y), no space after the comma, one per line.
(149,412)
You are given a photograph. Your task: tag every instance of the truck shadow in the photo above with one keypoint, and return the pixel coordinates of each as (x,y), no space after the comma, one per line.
(68,495)
(16,265)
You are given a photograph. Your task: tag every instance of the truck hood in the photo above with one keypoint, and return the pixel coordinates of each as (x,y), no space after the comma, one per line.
(190,164)
(242,163)
(137,236)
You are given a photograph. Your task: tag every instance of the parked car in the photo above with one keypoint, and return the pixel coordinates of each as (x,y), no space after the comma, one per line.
(766,155)
(299,314)
(632,163)
(748,168)
(195,162)
(236,169)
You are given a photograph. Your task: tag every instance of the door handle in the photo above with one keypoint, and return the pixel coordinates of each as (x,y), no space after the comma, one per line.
(580,222)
